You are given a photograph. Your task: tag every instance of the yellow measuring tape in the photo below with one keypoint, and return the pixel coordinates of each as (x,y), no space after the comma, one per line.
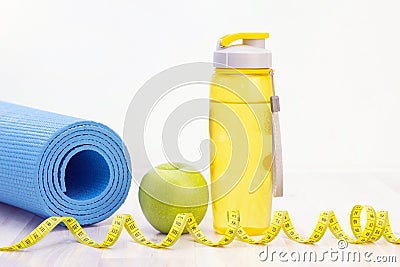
(377,225)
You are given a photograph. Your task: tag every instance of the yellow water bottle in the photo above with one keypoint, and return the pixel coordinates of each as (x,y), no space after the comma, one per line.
(241,133)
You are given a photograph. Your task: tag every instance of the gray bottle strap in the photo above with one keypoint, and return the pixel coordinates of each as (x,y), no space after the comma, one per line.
(277,167)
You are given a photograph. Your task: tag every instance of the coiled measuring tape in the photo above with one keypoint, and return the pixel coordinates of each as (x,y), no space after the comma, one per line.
(377,225)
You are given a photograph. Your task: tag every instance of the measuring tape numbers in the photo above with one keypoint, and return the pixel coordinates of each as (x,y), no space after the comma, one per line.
(377,225)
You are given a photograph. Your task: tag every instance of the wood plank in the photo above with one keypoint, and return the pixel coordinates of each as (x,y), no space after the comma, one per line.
(306,194)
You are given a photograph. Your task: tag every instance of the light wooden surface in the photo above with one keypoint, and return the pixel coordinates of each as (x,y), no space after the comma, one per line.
(305,195)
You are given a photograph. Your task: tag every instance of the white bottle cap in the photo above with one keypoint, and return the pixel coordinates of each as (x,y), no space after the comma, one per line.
(248,55)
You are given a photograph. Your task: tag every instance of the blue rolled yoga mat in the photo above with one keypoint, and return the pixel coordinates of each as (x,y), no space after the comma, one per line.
(52,164)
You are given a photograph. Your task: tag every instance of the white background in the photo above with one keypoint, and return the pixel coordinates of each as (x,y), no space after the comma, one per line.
(336,66)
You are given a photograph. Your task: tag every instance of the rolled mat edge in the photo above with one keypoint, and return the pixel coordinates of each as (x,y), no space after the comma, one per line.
(52,164)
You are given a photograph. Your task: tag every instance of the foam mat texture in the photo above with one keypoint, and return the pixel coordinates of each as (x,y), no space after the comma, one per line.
(52,164)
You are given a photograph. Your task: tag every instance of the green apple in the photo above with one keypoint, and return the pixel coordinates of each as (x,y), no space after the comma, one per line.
(169,189)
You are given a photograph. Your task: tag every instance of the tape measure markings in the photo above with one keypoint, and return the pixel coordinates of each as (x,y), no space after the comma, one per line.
(377,225)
